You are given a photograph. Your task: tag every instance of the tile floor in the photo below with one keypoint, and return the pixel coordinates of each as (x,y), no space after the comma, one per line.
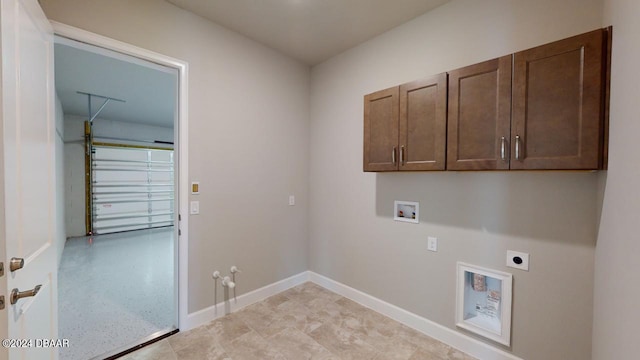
(114,290)
(305,322)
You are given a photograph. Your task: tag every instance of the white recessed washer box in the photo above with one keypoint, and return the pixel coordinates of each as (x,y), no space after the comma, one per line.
(407,211)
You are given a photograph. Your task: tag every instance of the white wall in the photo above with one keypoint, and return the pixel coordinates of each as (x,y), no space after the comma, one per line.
(74,188)
(248,139)
(477,216)
(116,129)
(617,295)
(74,177)
(61,232)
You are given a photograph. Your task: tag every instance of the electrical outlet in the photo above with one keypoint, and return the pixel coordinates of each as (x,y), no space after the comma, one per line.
(518,260)
(292,200)
(432,243)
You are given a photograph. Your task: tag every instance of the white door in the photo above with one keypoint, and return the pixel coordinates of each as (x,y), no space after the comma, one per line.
(27,181)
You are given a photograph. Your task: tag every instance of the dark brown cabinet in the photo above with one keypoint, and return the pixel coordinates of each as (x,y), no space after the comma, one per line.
(558,107)
(480,116)
(381,130)
(405,127)
(542,108)
(423,124)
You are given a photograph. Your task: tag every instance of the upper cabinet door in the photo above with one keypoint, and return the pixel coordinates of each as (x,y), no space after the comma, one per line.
(557,105)
(479,116)
(381,130)
(423,124)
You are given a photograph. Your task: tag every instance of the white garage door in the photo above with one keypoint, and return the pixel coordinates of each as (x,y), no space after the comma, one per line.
(131,189)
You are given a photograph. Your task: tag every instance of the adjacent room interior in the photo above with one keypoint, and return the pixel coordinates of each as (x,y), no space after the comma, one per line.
(117,274)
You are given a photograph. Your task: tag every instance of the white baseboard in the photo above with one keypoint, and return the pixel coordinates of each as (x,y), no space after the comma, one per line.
(450,337)
(211,313)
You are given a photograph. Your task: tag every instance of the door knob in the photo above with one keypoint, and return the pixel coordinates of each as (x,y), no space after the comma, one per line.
(16,264)
(17,294)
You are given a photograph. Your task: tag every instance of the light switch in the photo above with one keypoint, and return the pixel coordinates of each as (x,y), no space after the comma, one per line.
(195,188)
(292,200)
(194,207)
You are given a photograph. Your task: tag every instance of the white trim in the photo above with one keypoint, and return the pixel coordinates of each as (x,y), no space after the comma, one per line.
(182,67)
(213,312)
(448,336)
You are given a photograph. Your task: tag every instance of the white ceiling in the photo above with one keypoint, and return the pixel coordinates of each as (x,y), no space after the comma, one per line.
(148,89)
(309,30)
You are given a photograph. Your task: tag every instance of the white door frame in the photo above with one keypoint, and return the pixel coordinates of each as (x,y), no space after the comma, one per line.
(182,67)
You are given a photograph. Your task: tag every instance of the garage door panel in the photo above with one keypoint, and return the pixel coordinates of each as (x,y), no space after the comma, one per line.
(131,189)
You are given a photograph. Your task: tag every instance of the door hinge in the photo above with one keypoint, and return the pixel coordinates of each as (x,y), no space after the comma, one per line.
(179,232)
(179,217)
(1,302)
(1,269)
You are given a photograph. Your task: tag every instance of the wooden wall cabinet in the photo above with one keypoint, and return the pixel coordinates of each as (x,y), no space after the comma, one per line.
(423,124)
(381,130)
(480,116)
(405,127)
(542,108)
(558,104)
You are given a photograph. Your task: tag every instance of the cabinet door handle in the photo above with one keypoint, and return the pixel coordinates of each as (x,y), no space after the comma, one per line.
(503,148)
(517,147)
(393,155)
(402,155)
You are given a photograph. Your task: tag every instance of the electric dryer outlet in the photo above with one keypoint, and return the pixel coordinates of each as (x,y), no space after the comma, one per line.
(518,260)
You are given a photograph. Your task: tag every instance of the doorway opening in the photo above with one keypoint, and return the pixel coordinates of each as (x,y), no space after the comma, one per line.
(118,272)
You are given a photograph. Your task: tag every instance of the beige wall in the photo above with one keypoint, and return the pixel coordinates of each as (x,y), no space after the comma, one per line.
(248,139)
(617,294)
(476,216)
